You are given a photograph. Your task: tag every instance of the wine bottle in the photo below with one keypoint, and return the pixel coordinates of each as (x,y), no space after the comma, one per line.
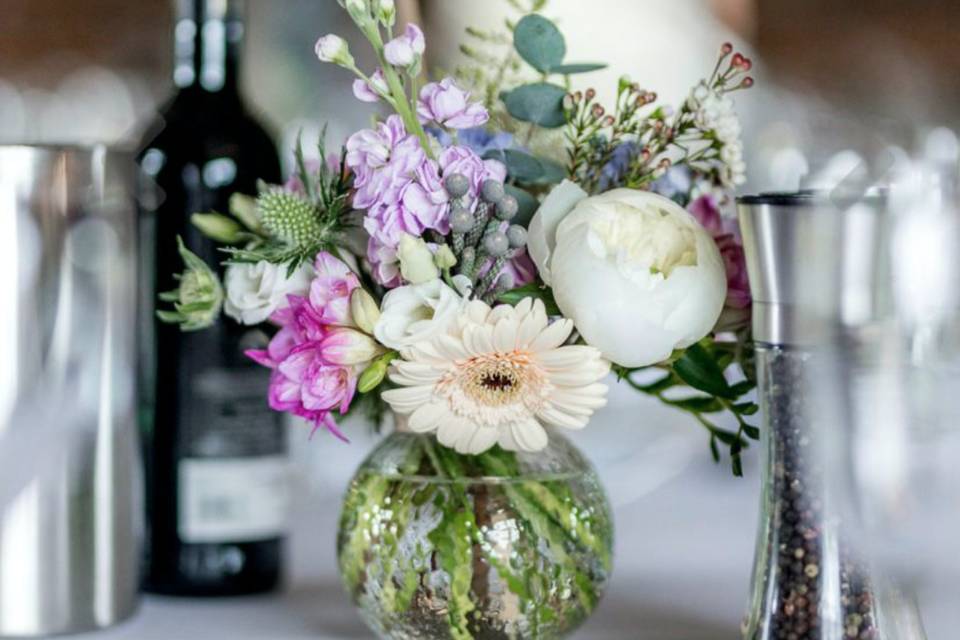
(215,453)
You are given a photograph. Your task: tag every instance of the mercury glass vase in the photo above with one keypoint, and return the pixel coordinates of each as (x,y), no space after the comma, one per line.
(434,544)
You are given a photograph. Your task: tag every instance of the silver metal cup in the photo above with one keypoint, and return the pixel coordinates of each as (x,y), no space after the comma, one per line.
(70,474)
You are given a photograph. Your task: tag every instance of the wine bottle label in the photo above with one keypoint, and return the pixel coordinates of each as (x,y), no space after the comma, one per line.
(233,499)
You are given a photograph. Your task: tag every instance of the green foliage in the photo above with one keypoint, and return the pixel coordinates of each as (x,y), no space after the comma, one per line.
(539,42)
(540,103)
(532,290)
(527,168)
(578,67)
(527,204)
(198,299)
(703,368)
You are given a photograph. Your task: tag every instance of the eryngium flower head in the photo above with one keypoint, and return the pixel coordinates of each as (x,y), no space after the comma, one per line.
(289,218)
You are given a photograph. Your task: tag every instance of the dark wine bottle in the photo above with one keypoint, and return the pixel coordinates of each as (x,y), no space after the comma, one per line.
(215,453)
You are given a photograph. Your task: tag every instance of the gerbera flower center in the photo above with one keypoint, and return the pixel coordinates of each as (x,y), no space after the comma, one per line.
(495,379)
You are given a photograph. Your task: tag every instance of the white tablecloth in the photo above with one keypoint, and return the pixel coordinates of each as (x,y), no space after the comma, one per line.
(685,535)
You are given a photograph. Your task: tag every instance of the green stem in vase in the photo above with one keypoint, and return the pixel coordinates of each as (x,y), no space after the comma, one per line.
(363,501)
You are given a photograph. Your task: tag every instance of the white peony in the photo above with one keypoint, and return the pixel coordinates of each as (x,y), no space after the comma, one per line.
(635,272)
(256,290)
(415,313)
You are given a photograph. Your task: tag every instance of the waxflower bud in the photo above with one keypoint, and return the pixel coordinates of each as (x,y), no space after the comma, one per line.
(444,258)
(416,260)
(364,310)
(218,227)
(333,48)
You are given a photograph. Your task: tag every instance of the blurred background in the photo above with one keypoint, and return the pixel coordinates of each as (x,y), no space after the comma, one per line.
(832,75)
(97,69)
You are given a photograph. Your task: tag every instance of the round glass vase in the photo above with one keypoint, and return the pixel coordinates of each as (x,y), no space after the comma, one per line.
(435,544)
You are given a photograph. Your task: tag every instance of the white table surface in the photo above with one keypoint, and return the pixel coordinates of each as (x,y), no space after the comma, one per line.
(685,535)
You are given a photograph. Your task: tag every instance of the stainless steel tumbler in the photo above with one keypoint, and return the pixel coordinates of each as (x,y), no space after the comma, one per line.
(70,475)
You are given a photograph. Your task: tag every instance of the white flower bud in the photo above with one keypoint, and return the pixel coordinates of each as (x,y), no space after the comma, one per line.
(333,48)
(444,257)
(416,260)
(364,310)
(386,11)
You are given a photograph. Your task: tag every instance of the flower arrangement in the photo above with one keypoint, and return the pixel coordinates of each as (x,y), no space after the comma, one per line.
(480,266)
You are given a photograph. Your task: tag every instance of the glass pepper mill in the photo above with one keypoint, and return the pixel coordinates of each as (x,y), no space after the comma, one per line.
(810,581)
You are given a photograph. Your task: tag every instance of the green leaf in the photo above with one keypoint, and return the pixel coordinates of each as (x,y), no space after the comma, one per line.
(540,103)
(581,67)
(539,42)
(727,438)
(527,168)
(746,408)
(714,449)
(532,290)
(742,387)
(699,370)
(752,432)
(699,404)
(656,386)
(527,204)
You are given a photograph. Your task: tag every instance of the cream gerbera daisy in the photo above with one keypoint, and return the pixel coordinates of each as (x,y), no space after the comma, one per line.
(498,377)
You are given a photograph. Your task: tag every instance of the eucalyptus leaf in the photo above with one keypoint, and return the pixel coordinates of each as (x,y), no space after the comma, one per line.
(540,103)
(539,42)
(580,67)
(527,205)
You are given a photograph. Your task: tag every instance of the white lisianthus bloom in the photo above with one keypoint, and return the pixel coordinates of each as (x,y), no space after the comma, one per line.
(635,272)
(415,313)
(256,290)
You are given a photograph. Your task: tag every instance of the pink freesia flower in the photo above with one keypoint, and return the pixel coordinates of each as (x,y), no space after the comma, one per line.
(405,49)
(315,356)
(447,104)
(330,290)
(726,234)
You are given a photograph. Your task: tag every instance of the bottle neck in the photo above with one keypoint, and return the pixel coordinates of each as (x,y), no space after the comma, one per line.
(208,36)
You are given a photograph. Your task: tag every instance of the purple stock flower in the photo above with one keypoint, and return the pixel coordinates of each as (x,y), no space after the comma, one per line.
(448,105)
(370,91)
(401,189)
(406,49)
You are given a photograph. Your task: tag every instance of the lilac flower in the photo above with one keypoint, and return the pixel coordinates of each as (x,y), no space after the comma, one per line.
(405,50)
(447,104)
